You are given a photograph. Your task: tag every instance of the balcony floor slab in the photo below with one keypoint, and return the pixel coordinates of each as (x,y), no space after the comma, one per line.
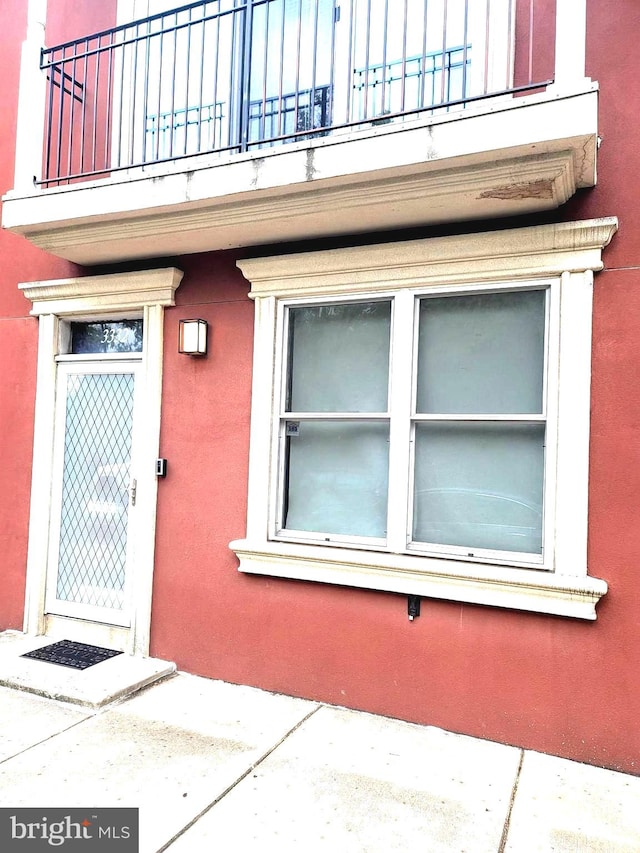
(525,155)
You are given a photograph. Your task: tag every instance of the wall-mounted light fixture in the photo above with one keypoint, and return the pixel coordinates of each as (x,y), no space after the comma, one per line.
(192,337)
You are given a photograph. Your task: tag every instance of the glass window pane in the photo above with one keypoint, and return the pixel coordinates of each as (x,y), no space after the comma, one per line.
(339,357)
(337,478)
(109,337)
(482,353)
(479,485)
(95,496)
(308,28)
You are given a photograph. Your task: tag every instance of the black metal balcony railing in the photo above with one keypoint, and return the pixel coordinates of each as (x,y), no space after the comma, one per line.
(234,75)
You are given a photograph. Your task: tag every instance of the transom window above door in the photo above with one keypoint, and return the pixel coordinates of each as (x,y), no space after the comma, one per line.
(106,337)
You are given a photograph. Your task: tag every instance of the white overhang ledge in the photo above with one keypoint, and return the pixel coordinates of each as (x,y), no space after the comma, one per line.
(508,157)
(113,292)
(518,253)
(496,586)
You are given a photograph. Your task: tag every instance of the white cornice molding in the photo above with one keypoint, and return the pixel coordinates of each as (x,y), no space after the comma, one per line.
(115,292)
(514,253)
(555,172)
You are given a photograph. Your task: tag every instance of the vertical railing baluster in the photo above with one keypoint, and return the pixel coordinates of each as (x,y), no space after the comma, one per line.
(296,108)
(118,160)
(145,106)
(108,106)
(385,39)
(327,114)
(531,23)
(444,51)
(172,128)
(134,86)
(365,112)
(223,136)
(314,70)
(434,68)
(350,54)
(510,46)
(423,59)
(235,82)
(60,113)
(265,69)
(71,112)
(187,87)
(246,76)
(96,99)
(487,42)
(134,92)
(201,79)
(159,98)
(465,40)
(49,107)
(403,88)
(280,112)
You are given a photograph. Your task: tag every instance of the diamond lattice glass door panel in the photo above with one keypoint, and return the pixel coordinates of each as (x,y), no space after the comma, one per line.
(94,492)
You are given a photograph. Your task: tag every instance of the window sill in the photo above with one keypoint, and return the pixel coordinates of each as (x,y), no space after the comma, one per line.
(497,586)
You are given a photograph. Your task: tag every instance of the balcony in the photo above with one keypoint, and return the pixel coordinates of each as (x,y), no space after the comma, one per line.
(241,122)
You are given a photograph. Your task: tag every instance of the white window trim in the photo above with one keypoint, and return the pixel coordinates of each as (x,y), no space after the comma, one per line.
(55,302)
(569,251)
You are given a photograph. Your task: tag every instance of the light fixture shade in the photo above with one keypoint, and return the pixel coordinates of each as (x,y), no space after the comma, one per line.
(192,337)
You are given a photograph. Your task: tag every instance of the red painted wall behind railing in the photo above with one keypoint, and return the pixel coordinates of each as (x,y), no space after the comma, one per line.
(534,55)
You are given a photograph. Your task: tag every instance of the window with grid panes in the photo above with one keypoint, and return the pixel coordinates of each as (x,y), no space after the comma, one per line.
(469,425)
(420,417)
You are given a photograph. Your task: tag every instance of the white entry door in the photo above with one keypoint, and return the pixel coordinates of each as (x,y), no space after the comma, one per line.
(94,486)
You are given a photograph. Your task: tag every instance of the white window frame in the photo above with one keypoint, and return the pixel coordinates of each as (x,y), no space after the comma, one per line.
(565,253)
(401,418)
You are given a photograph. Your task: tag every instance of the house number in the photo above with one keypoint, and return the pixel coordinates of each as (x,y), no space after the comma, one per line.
(112,336)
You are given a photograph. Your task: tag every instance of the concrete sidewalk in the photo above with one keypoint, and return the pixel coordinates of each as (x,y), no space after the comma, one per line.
(217,767)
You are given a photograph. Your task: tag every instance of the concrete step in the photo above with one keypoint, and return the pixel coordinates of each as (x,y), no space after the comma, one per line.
(93,687)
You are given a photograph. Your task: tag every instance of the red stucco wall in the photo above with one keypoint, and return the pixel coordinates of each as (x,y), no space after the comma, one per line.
(69,19)
(20,261)
(546,683)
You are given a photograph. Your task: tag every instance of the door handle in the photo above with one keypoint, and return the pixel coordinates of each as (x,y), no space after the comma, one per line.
(133,488)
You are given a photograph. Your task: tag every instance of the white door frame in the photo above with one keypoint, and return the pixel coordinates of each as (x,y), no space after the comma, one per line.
(142,294)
